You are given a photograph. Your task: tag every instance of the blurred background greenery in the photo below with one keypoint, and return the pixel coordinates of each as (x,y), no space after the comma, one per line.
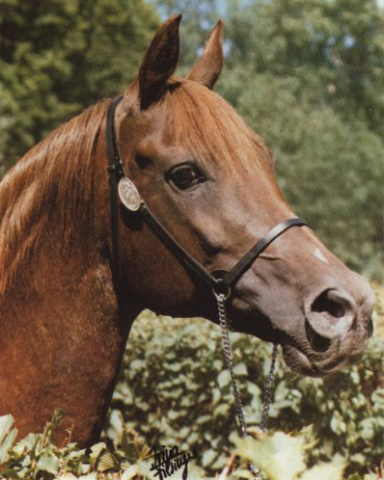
(306,74)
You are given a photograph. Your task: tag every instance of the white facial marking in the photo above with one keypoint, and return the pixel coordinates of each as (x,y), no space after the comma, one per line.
(318,254)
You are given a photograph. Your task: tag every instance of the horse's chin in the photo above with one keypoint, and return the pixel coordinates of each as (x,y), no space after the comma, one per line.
(316,364)
(297,354)
(300,363)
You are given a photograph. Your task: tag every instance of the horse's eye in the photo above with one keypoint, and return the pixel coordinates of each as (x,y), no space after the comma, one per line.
(185,176)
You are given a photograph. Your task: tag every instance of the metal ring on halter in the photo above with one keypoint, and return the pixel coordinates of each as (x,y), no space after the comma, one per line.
(222,290)
(221,287)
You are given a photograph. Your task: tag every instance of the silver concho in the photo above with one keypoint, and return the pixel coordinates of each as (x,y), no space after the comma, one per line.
(129,195)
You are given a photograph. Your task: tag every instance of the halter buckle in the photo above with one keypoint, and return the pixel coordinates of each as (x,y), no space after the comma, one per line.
(115,167)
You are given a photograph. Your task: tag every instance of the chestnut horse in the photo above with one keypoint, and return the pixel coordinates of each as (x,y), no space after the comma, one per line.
(210,180)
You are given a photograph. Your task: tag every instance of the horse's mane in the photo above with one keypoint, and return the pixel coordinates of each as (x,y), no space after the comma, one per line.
(50,185)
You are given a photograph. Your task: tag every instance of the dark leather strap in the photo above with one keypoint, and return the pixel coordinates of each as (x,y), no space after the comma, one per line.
(220,280)
(178,251)
(116,171)
(246,261)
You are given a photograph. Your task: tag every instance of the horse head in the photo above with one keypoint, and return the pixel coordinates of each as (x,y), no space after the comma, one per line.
(210,181)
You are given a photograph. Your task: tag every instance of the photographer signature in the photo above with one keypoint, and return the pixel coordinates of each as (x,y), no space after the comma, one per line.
(169,459)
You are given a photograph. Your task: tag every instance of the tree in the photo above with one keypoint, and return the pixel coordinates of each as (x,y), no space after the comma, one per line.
(330,170)
(306,76)
(198,19)
(334,48)
(59,57)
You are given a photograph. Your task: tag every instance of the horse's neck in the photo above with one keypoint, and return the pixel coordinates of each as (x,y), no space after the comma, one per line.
(61,349)
(62,338)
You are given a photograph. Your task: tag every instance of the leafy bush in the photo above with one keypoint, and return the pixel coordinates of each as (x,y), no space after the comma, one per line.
(174,389)
(36,457)
(278,456)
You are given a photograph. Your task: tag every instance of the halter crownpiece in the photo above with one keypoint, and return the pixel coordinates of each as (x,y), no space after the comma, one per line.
(220,281)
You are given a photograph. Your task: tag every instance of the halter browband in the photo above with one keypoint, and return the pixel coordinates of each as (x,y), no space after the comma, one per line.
(220,281)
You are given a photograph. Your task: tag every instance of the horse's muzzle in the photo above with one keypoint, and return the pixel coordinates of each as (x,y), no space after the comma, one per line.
(337,328)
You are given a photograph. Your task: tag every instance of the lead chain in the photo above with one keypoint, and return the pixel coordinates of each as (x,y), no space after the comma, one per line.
(227,351)
(268,390)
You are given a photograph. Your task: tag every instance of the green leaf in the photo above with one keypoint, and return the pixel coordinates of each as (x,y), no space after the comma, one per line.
(129,473)
(106,462)
(253,389)
(338,424)
(48,463)
(222,409)
(208,457)
(27,444)
(279,456)
(7,436)
(240,369)
(224,379)
(367,428)
(324,471)
(97,450)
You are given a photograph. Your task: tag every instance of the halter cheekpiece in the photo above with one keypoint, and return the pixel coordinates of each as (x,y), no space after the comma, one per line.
(219,281)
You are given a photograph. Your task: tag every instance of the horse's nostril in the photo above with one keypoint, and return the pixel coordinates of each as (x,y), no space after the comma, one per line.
(331,303)
(370,327)
(318,342)
(332,314)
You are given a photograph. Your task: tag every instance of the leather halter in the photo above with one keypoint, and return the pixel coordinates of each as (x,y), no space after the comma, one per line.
(220,281)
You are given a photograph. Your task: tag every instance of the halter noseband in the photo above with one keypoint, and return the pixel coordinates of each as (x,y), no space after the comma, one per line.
(220,281)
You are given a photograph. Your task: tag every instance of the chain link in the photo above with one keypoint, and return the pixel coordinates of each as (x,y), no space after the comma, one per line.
(268,390)
(228,358)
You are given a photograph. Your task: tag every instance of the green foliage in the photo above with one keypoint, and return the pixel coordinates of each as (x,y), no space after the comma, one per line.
(278,456)
(330,170)
(333,49)
(174,389)
(282,456)
(307,77)
(37,457)
(59,57)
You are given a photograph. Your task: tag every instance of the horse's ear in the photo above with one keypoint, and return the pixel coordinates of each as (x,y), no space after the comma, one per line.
(208,67)
(160,61)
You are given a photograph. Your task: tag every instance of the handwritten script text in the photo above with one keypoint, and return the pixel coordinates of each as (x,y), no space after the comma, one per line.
(168,460)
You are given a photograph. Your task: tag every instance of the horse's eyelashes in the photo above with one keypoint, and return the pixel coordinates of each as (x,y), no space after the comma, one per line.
(143,160)
(185,176)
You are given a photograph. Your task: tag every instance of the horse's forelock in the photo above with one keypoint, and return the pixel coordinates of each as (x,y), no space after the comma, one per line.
(214,132)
